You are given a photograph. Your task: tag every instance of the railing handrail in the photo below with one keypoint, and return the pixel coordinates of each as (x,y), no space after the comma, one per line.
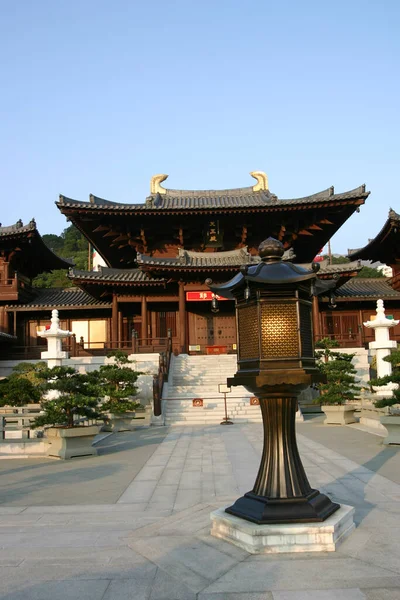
(162,376)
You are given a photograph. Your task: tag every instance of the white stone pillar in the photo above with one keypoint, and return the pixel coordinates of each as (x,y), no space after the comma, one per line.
(54,336)
(382,344)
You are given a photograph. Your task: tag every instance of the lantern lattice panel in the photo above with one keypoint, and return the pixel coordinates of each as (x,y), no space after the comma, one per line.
(279,330)
(248,332)
(305,330)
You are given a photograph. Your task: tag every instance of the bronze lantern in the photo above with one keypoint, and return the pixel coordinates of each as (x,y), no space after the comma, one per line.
(275,363)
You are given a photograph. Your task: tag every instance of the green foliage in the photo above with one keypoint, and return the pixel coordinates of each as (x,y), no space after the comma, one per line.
(53,241)
(70,244)
(325,345)
(22,386)
(78,396)
(117,382)
(394,359)
(18,391)
(337,260)
(369,272)
(54,279)
(30,370)
(338,371)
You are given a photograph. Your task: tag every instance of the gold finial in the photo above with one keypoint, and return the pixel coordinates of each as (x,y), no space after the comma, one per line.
(262,181)
(155,187)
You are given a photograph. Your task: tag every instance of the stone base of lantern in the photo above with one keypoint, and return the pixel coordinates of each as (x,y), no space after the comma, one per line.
(290,537)
(315,507)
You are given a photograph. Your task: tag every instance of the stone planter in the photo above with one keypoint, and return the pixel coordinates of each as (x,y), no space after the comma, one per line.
(338,415)
(392,424)
(119,422)
(71,442)
(371,415)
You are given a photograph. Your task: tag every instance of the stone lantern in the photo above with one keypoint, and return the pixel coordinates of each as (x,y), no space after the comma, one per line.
(54,336)
(275,363)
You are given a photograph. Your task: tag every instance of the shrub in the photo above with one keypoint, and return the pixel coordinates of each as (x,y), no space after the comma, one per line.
(394,359)
(337,369)
(77,395)
(118,384)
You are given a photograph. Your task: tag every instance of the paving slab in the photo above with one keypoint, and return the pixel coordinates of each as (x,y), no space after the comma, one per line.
(134,521)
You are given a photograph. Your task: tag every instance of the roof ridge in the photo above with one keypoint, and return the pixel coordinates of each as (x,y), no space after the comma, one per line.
(18,227)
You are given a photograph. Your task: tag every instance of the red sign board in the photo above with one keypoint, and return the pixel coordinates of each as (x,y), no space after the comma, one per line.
(201,296)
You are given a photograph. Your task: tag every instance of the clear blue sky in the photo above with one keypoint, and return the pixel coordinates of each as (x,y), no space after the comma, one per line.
(97,96)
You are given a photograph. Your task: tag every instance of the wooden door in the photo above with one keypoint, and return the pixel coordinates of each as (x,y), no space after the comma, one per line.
(224,330)
(344,327)
(212,330)
(201,330)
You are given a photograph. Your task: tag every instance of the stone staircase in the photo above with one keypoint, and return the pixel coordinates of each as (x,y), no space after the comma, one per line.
(198,377)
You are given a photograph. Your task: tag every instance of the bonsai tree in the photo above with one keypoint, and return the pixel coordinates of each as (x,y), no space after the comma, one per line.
(324,346)
(76,396)
(337,368)
(118,384)
(394,359)
(22,386)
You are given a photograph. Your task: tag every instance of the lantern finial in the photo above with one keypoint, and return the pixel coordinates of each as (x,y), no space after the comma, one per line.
(271,250)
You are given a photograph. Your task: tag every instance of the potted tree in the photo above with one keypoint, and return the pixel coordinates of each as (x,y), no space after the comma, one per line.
(118,384)
(392,420)
(340,386)
(70,399)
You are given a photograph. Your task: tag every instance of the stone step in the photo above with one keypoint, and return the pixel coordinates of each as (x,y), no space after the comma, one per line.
(202,392)
(199,377)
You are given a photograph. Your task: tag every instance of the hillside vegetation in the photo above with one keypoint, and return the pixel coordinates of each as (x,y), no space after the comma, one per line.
(70,244)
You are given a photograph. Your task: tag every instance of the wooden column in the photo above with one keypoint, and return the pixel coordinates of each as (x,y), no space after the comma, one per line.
(114,321)
(15,323)
(145,329)
(120,333)
(316,317)
(361,330)
(182,318)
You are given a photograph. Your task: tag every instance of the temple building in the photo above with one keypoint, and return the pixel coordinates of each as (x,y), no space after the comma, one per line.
(159,254)
(385,248)
(23,255)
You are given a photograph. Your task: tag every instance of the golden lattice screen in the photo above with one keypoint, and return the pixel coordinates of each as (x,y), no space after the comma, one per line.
(248,332)
(279,334)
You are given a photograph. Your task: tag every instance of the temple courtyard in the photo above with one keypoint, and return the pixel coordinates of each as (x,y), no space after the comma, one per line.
(134,522)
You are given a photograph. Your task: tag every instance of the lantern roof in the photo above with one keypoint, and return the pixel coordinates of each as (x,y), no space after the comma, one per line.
(271,270)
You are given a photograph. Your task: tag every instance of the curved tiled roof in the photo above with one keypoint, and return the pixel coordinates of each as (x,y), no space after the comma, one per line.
(211,199)
(373,288)
(61,298)
(18,228)
(188,258)
(375,248)
(114,275)
(233,258)
(37,256)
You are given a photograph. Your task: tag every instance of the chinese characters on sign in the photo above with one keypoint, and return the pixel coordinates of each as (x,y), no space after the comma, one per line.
(196,296)
(213,235)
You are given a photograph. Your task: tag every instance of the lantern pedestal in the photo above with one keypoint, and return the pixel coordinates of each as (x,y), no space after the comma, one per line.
(277,538)
(281,493)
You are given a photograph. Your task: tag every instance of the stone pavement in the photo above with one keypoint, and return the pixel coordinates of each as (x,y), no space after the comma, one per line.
(152,540)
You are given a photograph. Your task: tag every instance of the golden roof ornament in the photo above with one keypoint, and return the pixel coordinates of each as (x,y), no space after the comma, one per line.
(262,181)
(155,184)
